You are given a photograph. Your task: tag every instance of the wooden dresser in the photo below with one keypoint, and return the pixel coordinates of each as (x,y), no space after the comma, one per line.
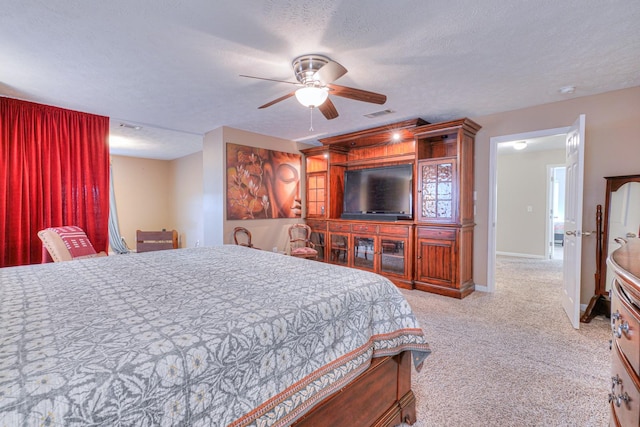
(624,397)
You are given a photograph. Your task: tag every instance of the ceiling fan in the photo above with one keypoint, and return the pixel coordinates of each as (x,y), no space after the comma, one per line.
(315,75)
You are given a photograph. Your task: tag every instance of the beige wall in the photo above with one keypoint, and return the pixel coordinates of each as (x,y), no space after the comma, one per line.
(612,148)
(266,233)
(186,184)
(522,182)
(144,195)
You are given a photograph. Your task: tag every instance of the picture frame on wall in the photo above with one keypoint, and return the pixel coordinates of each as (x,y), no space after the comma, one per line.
(262,183)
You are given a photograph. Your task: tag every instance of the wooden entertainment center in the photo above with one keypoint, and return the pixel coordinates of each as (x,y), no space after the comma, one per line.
(433,251)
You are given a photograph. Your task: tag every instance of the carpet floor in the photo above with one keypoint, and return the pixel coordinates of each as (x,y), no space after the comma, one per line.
(511,358)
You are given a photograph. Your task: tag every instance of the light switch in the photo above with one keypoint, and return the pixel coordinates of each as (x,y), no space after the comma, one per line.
(529,208)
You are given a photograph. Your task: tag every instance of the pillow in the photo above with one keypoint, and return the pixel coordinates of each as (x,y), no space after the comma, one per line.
(55,247)
(75,240)
(65,244)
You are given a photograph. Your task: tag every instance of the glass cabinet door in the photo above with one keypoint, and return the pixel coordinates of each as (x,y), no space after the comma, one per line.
(339,249)
(316,194)
(317,238)
(437,182)
(392,259)
(363,252)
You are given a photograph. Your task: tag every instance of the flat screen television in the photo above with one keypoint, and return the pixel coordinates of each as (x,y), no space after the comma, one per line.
(379,193)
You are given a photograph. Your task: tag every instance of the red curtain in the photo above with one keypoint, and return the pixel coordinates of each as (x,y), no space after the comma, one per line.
(54,171)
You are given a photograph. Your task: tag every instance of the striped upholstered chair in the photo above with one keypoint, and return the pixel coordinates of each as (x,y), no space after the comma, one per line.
(300,244)
(65,244)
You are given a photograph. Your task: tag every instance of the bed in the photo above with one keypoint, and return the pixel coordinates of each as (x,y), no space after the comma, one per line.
(226,335)
(558,232)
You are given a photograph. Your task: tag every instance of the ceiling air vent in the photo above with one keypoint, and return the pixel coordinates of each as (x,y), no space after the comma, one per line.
(379,113)
(128,126)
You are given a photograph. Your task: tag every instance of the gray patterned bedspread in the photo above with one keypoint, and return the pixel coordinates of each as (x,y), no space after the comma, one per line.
(204,337)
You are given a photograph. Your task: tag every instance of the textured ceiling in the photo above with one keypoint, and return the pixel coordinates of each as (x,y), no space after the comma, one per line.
(173,66)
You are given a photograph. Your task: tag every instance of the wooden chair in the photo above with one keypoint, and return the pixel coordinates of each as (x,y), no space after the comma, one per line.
(338,248)
(148,241)
(65,244)
(300,244)
(242,237)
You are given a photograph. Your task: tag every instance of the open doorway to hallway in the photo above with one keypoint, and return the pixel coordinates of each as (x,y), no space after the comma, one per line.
(520,199)
(555,225)
(574,140)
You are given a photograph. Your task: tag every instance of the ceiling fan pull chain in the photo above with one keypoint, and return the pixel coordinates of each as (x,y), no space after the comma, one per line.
(311,118)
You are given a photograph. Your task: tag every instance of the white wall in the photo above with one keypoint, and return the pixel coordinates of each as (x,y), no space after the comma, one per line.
(521,183)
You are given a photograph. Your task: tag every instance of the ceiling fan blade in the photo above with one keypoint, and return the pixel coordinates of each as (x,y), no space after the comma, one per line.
(357,94)
(275,101)
(328,109)
(271,80)
(329,73)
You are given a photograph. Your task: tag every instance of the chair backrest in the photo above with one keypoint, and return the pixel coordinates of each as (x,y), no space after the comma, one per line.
(299,235)
(66,243)
(148,241)
(242,237)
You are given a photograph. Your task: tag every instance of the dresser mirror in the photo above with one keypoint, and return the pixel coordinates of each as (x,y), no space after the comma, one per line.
(621,220)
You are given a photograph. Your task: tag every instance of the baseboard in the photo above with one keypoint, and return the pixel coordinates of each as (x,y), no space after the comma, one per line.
(520,255)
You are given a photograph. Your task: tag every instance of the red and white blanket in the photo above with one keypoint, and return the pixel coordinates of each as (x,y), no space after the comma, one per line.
(75,240)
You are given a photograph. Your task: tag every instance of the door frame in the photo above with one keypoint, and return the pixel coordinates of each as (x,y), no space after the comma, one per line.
(550,196)
(493,192)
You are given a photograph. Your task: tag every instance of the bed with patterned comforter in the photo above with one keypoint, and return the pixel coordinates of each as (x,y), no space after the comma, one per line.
(205,336)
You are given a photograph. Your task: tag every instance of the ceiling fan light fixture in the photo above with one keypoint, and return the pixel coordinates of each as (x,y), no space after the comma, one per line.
(312,96)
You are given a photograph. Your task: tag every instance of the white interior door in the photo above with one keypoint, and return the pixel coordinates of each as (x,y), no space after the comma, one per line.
(573,221)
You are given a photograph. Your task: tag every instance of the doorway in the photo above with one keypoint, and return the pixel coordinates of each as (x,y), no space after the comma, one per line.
(534,143)
(555,225)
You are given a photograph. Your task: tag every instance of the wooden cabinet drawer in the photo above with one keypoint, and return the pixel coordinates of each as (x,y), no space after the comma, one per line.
(613,421)
(364,228)
(624,391)
(626,327)
(340,226)
(394,230)
(436,233)
(317,225)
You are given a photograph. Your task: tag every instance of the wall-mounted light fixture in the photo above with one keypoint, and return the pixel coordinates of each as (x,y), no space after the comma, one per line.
(520,145)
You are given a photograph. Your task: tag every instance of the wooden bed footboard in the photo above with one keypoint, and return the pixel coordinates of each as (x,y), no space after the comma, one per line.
(381,397)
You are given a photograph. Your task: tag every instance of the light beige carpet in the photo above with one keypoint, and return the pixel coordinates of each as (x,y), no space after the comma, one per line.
(511,358)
